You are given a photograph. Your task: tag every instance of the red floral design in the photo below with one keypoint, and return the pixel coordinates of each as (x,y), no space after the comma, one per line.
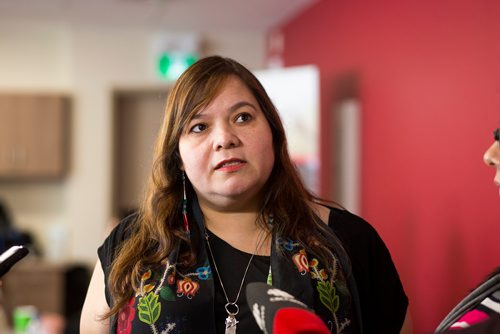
(187,287)
(300,260)
(125,317)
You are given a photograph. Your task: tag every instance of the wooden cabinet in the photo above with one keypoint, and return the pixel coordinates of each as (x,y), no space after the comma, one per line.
(35,283)
(33,136)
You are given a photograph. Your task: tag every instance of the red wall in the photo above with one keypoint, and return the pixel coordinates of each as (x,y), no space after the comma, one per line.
(429,84)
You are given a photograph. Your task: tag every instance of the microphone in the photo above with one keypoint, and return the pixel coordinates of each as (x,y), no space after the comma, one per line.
(278,312)
(10,257)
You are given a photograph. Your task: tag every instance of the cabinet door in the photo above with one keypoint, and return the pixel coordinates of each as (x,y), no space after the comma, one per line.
(7,135)
(35,139)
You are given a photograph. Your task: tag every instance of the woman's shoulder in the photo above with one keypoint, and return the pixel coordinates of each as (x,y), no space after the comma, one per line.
(124,228)
(118,234)
(342,221)
(357,235)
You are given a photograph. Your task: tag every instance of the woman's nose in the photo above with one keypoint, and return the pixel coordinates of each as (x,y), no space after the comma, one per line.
(225,137)
(492,155)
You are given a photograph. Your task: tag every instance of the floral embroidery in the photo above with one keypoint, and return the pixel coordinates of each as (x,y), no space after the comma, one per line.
(147,288)
(152,288)
(300,260)
(326,285)
(288,245)
(204,272)
(146,275)
(149,308)
(166,293)
(319,275)
(328,296)
(125,317)
(187,287)
(328,292)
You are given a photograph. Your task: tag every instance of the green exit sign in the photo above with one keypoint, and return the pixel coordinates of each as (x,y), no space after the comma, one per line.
(171,65)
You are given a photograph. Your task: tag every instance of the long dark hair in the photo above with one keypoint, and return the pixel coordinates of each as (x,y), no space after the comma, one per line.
(159,225)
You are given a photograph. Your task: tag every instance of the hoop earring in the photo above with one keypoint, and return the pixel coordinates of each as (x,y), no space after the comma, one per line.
(184,205)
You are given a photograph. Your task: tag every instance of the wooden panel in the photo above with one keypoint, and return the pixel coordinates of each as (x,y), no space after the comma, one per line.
(33,136)
(35,283)
(7,135)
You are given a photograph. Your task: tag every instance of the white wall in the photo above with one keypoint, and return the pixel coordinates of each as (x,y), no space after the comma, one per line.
(87,63)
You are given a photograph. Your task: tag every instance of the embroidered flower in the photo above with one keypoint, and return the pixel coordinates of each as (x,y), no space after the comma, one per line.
(146,275)
(319,275)
(203,272)
(171,279)
(313,263)
(125,317)
(147,288)
(187,287)
(288,245)
(300,260)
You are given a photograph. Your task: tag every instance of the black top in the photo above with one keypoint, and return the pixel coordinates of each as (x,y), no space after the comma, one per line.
(383,302)
(382,297)
(231,264)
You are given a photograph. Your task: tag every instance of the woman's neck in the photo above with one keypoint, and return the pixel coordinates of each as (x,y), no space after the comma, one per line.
(241,230)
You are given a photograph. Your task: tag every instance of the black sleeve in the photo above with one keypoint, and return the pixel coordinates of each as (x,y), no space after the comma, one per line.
(107,250)
(382,297)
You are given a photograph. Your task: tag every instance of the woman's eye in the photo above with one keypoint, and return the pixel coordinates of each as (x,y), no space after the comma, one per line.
(198,128)
(243,118)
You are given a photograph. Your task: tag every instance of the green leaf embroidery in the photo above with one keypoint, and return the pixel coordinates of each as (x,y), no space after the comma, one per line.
(328,296)
(167,294)
(149,308)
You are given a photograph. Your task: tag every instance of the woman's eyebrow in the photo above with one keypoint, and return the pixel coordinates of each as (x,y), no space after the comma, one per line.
(241,104)
(198,116)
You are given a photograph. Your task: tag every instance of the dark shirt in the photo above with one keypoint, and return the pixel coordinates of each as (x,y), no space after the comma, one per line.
(382,299)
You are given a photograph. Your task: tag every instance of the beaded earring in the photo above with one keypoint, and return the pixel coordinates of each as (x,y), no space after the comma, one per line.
(184,204)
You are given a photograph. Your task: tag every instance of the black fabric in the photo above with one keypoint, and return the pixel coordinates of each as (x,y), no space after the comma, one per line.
(107,250)
(381,294)
(382,297)
(231,264)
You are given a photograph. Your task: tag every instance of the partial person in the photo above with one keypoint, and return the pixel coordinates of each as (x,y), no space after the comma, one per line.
(479,311)
(225,207)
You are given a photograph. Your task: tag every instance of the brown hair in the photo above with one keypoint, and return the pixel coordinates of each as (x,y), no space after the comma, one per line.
(159,224)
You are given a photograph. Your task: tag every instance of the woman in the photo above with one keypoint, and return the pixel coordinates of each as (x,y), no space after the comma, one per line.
(479,312)
(226,207)
(492,156)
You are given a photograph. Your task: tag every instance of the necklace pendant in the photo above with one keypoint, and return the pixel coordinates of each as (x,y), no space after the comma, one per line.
(231,324)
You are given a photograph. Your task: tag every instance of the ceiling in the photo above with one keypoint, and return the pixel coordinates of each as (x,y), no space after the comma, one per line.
(256,15)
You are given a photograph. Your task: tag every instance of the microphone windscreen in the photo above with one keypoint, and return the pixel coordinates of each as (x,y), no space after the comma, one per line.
(298,321)
(278,312)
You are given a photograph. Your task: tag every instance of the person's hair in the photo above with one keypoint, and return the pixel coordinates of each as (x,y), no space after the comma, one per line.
(159,227)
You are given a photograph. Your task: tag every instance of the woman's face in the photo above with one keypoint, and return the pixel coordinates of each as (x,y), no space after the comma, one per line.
(492,158)
(227,149)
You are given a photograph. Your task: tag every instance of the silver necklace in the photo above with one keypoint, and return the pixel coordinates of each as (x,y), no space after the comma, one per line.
(232,308)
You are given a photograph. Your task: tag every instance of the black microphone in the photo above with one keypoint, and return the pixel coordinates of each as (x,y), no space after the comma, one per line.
(278,312)
(10,257)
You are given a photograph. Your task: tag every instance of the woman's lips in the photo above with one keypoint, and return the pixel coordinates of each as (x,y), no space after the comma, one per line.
(230,165)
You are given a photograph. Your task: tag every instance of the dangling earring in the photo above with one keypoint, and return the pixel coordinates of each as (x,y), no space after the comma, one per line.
(184,204)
